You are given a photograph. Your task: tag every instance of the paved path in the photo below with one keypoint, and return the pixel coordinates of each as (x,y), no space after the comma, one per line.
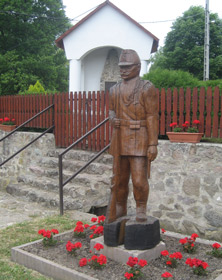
(15,210)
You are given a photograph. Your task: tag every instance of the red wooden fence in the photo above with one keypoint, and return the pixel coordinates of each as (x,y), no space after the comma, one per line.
(75,114)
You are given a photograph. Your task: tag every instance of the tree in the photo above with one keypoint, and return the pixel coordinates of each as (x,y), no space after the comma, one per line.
(28,30)
(184,45)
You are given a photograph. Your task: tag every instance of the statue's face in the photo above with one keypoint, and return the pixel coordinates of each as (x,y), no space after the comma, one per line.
(130,71)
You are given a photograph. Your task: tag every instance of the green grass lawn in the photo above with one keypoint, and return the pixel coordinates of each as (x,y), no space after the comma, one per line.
(22,233)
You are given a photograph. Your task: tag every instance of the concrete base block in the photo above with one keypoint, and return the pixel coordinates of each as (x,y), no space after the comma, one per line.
(120,254)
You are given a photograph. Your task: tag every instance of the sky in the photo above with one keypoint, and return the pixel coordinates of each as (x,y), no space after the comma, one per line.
(153,11)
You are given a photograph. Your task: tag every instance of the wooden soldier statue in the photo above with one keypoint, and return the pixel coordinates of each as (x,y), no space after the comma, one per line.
(134,117)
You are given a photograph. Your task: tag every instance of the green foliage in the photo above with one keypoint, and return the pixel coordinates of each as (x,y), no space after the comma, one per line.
(163,78)
(27,45)
(37,88)
(184,45)
(34,89)
(210,83)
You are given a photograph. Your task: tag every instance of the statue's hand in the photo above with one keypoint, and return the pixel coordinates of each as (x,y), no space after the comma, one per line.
(152,152)
(116,123)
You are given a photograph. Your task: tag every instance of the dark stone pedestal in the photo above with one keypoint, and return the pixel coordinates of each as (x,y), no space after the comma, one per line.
(141,236)
(114,232)
(134,235)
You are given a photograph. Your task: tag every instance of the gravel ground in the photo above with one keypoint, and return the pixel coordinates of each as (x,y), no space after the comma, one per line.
(116,271)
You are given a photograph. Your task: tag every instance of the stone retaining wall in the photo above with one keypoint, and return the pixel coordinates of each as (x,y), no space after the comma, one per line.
(185,184)
(19,164)
(186,188)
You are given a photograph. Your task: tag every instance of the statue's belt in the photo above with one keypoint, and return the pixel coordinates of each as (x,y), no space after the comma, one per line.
(133,124)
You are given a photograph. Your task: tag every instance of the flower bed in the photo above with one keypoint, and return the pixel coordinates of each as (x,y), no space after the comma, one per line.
(113,270)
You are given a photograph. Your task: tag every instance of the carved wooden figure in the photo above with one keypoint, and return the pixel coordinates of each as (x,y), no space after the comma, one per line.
(134,117)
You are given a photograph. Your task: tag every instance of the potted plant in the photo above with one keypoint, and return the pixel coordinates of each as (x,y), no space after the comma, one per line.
(186,133)
(7,125)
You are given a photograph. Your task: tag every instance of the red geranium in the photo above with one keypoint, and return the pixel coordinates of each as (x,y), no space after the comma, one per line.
(128,275)
(48,236)
(166,275)
(198,266)
(83,262)
(142,263)
(216,245)
(132,261)
(135,268)
(98,246)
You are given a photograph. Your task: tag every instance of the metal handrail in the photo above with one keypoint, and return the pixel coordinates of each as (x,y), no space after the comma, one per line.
(23,148)
(61,183)
(29,120)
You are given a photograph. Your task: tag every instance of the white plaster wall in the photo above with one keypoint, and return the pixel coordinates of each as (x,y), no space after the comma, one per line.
(93,65)
(87,46)
(107,27)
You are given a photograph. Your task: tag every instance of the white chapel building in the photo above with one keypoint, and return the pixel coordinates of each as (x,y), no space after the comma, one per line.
(94,44)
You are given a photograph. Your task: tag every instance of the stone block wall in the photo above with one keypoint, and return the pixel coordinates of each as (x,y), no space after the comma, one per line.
(20,163)
(186,188)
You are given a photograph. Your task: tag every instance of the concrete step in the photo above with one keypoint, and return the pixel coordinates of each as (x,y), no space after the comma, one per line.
(45,198)
(89,189)
(72,165)
(90,181)
(81,155)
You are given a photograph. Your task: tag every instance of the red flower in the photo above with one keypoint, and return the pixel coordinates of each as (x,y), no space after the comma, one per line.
(216,245)
(132,261)
(187,123)
(178,255)
(41,231)
(98,230)
(194,236)
(91,236)
(169,263)
(94,219)
(6,119)
(128,275)
(98,246)
(197,263)
(163,230)
(79,223)
(196,122)
(83,262)
(204,265)
(1,120)
(86,226)
(47,234)
(79,228)
(142,263)
(183,241)
(101,219)
(93,227)
(55,231)
(189,262)
(165,253)
(69,246)
(102,259)
(173,124)
(78,245)
(166,275)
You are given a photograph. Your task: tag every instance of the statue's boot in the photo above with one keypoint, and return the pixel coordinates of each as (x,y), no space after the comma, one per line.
(121,209)
(141,212)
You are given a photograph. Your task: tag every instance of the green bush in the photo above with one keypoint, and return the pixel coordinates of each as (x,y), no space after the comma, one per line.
(163,78)
(37,88)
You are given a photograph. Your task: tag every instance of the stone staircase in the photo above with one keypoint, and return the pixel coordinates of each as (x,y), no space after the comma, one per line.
(90,189)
